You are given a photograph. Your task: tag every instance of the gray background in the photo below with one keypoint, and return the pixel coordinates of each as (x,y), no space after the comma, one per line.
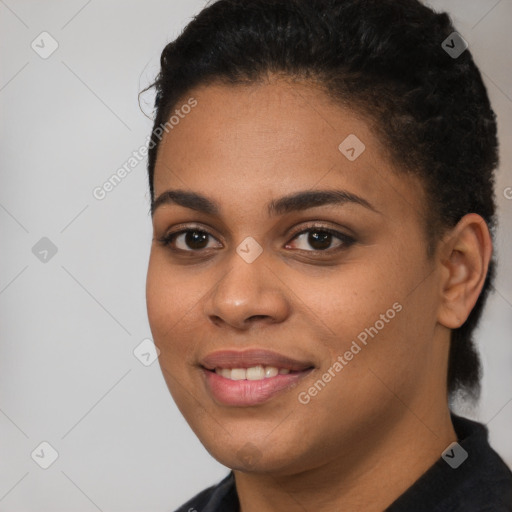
(69,325)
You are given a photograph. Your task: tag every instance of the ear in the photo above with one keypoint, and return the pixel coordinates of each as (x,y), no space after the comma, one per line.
(464,255)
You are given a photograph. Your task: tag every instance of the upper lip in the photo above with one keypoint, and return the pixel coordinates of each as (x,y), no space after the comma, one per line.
(252,357)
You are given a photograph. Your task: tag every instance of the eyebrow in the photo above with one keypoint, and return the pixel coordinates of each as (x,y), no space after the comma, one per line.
(295,202)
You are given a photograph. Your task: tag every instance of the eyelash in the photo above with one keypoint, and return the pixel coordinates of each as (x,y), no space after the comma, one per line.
(346,240)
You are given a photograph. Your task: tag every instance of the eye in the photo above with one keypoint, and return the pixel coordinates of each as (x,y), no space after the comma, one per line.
(187,240)
(321,239)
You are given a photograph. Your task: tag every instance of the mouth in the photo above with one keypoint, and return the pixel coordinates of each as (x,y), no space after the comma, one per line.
(251,377)
(257,372)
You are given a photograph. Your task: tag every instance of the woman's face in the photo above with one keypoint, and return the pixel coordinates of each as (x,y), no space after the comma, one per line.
(337,295)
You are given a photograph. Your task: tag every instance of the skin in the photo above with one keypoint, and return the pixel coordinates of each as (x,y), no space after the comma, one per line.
(384,419)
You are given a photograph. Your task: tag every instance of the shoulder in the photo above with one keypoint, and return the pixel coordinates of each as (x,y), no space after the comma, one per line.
(476,479)
(483,482)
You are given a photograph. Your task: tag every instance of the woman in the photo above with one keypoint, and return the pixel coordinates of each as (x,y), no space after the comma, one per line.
(321,178)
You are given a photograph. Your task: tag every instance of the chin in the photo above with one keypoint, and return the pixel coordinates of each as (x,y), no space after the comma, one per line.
(247,457)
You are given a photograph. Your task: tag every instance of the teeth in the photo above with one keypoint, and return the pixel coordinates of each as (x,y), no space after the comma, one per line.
(271,371)
(238,374)
(258,372)
(225,372)
(255,373)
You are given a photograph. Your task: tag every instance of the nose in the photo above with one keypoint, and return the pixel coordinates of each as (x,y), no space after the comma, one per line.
(248,294)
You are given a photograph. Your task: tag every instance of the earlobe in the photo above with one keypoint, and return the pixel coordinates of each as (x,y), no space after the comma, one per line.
(464,258)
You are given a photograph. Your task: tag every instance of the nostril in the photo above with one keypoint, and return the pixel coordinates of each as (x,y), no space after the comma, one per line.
(254,317)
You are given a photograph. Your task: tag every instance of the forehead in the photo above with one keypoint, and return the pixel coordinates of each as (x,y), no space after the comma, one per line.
(245,143)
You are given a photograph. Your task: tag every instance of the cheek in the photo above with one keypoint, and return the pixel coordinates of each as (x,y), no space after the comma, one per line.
(385,331)
(170,300)
(160,306)
(352,299)
(383,311)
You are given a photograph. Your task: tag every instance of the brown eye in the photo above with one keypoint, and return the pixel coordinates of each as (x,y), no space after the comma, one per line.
(321,240)
(188,240)
(196,239)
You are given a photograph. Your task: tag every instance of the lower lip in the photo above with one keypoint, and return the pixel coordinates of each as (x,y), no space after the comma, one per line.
(249,392)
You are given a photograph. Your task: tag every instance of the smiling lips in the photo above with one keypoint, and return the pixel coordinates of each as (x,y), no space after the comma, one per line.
(250,377)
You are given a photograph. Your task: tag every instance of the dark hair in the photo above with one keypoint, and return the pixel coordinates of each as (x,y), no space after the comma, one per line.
(385,59)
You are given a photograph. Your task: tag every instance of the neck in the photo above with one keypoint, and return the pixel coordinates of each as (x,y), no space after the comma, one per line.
(377,469)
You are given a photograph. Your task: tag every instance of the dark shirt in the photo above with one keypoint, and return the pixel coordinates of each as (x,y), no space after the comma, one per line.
(481,483)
